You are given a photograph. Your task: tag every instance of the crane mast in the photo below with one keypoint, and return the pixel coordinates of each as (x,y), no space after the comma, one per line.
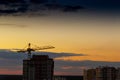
(29,51)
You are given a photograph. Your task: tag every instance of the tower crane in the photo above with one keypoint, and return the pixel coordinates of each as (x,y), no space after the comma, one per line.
(29,49)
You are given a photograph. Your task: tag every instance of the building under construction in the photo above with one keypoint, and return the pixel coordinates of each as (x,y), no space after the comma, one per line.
(39,67)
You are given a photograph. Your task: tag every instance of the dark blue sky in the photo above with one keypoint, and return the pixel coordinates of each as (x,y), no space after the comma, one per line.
(94,4)
(99,5)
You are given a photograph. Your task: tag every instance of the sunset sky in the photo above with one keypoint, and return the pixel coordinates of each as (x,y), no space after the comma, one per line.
(82,40)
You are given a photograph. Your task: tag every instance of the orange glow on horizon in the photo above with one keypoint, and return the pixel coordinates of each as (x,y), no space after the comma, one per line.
(98,39)
(11,72)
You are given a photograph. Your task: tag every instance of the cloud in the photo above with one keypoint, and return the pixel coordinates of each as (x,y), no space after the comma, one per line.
(61,5)
(87,63)
(72,8)
(8,54)
(36,8)
(13,25)
(13,61)
(10,59)
(62,54)
(77,67)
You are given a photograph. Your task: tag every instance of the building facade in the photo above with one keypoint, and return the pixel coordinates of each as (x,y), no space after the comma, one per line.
(39,67)
(89,74)
(102,73)
(105,73)
(118,74)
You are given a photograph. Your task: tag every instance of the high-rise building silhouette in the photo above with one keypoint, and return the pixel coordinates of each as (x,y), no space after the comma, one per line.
(39,67)
(105,73)
(118,74)
(102,73)
(89,74)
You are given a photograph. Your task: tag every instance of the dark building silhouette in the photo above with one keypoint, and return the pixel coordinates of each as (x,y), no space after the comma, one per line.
(39,67)
(10,77)
(105,73)
(102,73)
(67,77)
(56,77)
(118,74)
(90,74)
